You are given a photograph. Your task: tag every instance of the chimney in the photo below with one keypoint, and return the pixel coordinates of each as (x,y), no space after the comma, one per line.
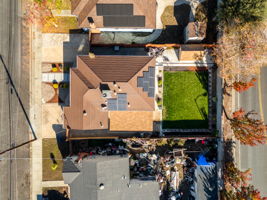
(119,88)
(114,83)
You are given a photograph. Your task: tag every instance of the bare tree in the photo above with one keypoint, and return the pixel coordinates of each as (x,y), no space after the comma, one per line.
(241,51)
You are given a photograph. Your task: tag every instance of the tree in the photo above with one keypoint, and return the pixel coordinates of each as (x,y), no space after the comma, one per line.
(234,178)
(240,86)
(241,11)
(247,129)
(249,192)
(38,12)
(240,51)
(237,185)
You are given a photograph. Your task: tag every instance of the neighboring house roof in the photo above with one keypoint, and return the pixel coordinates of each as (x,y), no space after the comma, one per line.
(94,95)
(203,187)
(107,177)
(116,13)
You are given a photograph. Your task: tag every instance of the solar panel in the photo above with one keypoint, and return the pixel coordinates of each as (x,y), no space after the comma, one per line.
(122,106)
(124,21)
(112,104)
(151,82)
(114,9)
(151,92)
(146,76)
(146,86)
(151,72)
(120,103)
(140,82)
(122,96)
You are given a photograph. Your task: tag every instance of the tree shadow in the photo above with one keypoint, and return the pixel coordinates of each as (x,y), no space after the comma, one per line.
(211,31)
(78,44)
(203,77)
(56,195)
(185,124)
(229,146)
(182,14)
(208,179)
(174,33)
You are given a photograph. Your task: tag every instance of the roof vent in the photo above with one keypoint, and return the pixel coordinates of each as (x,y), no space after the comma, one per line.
(84,113)
(101,186)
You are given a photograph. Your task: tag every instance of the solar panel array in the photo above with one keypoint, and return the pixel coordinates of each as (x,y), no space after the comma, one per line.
(114,9)
(147,81)
(124,21)
(120,103)
(119,15)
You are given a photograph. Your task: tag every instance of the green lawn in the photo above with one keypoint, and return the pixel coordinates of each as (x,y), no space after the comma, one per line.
(60,24)
(50,146)
(185,99)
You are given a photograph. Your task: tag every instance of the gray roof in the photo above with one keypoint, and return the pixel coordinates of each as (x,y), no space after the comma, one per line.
(204,184)
(113,173)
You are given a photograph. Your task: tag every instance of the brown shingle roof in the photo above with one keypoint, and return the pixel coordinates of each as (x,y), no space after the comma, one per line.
(85,93)
(87,8)
(116,68)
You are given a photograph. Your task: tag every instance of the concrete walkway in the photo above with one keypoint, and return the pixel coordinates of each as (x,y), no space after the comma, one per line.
(54,184)
(36,113)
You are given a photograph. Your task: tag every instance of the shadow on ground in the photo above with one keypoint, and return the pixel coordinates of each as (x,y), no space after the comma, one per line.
(174,33)
(55,195)
(186,124)
(63,146)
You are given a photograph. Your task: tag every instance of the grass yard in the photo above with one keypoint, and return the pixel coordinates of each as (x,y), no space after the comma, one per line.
(60,24)
(50,146)
(59,4)
(185,100)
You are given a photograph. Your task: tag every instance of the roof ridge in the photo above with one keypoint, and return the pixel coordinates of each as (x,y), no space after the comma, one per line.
(83,78)
(87,8)
(81,58)
(142,67)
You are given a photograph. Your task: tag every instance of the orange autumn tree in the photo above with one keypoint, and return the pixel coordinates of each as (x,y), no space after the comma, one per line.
(247,129)
(237,185)
(241,86)
(38,12)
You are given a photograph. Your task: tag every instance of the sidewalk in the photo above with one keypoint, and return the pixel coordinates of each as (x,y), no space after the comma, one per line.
(36,112)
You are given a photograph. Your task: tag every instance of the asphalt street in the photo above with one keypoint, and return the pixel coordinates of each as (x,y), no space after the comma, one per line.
(255,157)
(14,128)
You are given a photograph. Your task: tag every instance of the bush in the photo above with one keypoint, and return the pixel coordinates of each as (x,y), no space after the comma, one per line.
(160,82)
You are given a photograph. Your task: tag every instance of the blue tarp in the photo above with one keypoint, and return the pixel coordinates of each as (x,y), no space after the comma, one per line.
(202,160)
